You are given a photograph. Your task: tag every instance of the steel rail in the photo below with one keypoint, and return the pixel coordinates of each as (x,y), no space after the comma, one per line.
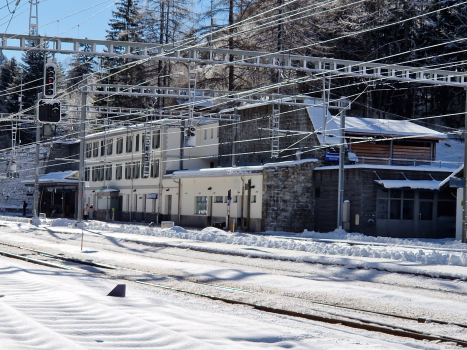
(348,321)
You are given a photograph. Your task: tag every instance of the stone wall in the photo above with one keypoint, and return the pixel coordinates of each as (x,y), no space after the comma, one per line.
(12,191)
(63,157)
(255,143)
(288,197)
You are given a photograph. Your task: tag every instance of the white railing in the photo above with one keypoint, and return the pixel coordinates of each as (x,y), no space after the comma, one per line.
(406,162)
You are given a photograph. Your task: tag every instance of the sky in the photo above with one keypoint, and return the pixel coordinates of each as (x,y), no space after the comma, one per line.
(87,19)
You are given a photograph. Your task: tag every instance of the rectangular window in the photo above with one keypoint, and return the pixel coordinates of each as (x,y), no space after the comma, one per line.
(382,208)
(201,205)
(110,144)
(427,195)
(218,199)
(87,173)
(136,170)
(426,211)
(101,173)
(156,139)
(129,144)
(95,149)
(137,143)
(128,167)
(94,174)
(108,172)
(253,198)
(118,171)
(102,148)
(155,168)
(407,209)
(235,199)
(120,145)
(88,150)
(212,132)
(395,209)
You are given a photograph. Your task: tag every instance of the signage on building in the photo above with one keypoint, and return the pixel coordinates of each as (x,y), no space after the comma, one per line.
(331,157)
(151,196)
(456,182)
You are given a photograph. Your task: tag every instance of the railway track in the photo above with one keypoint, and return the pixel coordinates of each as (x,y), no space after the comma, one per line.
(330,317)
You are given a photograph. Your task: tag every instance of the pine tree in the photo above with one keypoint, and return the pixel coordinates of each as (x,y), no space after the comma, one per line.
(9,73)
(82,65)
(33,77)
(124,26)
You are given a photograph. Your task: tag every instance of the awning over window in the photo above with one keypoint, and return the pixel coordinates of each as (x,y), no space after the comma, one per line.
(106,190)
(413,184)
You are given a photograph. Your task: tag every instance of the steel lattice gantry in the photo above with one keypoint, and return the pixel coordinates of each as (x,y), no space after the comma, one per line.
(214,96)
(214,56)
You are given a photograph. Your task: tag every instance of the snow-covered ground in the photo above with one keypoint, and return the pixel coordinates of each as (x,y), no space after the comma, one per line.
(401,252)
(47,308)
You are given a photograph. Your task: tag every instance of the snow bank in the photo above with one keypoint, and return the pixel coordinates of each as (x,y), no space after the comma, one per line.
(434,252)
(14,219)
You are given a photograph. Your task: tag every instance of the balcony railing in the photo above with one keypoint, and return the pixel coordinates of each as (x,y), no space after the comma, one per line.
(407,162)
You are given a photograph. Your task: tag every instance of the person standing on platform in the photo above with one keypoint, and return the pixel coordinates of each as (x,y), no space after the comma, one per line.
(91,212)
(86,212)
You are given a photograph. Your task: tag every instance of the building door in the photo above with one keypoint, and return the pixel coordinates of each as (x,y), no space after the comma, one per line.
(426,224)
(169,205)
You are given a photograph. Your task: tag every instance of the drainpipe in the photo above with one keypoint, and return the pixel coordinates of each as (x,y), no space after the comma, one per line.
(161,173)
(179,199)
(248,206)
(242,202)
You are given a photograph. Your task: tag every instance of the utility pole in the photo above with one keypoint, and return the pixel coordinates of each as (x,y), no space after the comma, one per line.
(340,195)
(464,199)
(182,143)
(35,219)
(82,144)
(33,18)
(234,140)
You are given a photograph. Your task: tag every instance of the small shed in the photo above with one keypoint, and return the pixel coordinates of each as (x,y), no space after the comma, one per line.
(57,193)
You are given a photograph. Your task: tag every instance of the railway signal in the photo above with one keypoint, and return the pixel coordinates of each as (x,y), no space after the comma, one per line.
(50,80)
(49,111)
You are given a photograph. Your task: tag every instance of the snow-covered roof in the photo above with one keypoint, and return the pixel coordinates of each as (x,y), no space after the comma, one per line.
(366,126)
(413,184)
(234,171)
(213,172)
(389,127)
(328,135)
(69,176)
